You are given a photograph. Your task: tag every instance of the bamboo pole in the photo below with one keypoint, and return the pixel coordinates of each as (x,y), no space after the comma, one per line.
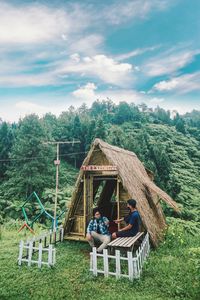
(84,204)
(118,207)
(56,195)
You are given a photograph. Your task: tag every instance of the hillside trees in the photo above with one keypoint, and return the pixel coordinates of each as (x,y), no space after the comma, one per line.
(31,160)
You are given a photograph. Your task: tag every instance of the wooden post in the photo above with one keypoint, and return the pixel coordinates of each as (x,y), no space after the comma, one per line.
(91,197)
(56,195)
(105,262)
(84,205)
(40,255)
(94,259)
(50,255)
(54,256)
(118,206)
(135,269)
(118,266)
(30,253)
(130,265)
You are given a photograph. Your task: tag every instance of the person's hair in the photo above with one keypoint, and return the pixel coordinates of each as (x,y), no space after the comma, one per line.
(95,210)
(132,203)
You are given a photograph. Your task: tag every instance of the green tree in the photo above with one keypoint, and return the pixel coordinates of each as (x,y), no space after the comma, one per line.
(32,160)
(100,130)
(6,141)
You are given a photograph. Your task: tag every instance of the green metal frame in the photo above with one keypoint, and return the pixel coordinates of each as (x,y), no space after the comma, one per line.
(43,211)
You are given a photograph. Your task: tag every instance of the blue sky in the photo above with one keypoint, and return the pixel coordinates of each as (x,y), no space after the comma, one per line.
(60,53)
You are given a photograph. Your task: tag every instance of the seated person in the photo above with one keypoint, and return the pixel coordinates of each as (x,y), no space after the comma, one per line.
(133,221)
(98,230)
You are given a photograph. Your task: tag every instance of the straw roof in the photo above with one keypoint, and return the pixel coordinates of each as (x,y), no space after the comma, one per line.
(137,182)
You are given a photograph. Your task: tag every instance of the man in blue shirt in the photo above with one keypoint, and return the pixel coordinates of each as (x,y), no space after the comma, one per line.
(98,230)
(132,220)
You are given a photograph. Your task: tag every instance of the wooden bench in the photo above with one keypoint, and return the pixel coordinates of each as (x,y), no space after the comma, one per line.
(125,243)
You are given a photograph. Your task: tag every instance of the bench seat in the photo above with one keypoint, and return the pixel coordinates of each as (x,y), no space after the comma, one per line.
(125,242)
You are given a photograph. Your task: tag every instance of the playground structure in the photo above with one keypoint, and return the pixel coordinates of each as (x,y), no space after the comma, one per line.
(29,223)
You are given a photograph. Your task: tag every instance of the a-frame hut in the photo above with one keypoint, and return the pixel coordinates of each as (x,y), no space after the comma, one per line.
(108,177)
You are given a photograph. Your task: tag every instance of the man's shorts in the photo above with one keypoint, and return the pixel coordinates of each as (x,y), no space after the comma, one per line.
(126,233)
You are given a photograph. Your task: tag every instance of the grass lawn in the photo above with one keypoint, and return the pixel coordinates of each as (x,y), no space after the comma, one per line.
(172,272)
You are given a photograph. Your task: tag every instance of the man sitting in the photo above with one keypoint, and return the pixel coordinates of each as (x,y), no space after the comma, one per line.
(132,220)
(98,230)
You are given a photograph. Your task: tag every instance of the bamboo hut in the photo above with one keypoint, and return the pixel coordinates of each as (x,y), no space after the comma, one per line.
(109,177)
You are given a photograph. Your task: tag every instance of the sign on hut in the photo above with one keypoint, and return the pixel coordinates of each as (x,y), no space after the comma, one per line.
(109,177)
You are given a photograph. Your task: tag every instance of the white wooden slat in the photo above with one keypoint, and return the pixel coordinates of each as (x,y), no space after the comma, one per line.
(113,242)
(130,265)
(62,234)
(105,262)
(118,265)
(21,245)
(54,256)
(30,253)
(40,255)
(50,256)
(94,250)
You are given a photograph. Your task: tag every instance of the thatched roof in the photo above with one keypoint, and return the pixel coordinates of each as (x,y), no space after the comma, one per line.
(137,182)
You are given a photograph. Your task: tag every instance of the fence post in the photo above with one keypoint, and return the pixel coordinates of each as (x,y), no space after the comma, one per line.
(118,265)
(40,255)
(130,265)
(30,250)
(105,262)
(135,268)
(138,263)
(94,258)
(21,245)
(50,257)
(54,256)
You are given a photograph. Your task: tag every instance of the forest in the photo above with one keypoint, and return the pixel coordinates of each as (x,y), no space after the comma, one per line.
(167,143)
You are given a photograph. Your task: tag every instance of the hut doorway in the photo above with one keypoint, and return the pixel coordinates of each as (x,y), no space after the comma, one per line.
(101,191)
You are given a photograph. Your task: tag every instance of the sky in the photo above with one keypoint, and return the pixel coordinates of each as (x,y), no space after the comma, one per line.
(54,54)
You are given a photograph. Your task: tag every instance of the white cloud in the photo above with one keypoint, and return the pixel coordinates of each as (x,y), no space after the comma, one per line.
(87,44)
(182,84)
(99,66)
(32,24)
(22,80)
(86,93)
(168,63)
(135,52)
(123,11)
(89,94)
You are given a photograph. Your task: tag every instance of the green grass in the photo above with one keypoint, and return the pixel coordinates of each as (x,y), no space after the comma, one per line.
(171,272)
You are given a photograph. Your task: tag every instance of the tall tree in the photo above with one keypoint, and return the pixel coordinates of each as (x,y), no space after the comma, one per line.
(31,160)
(6,141)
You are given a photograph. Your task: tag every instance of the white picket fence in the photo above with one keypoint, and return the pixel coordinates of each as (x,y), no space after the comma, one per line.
(39,250)
(51,258)
(134,263)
